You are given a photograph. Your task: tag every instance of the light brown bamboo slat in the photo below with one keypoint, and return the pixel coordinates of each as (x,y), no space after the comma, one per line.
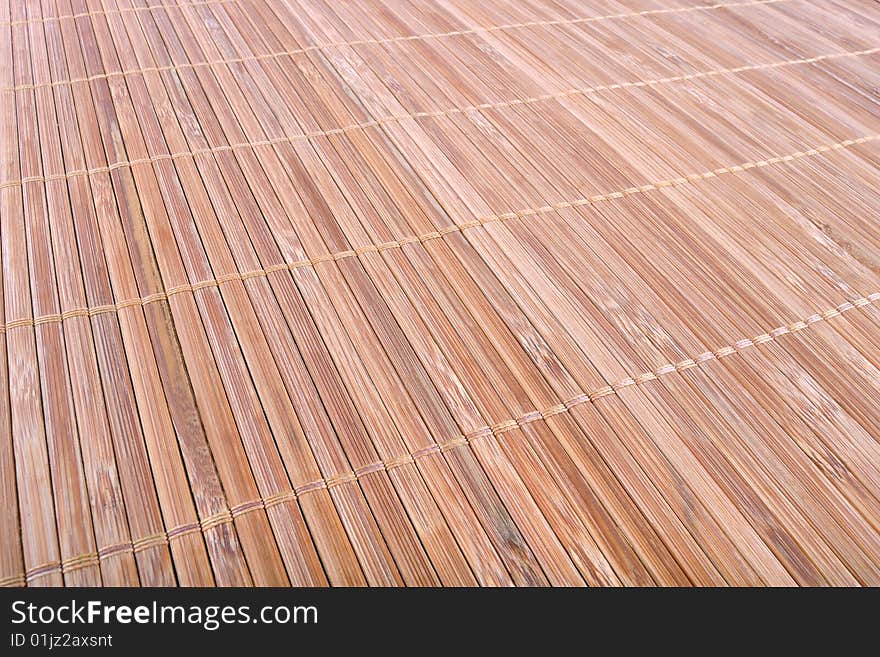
(101,476)
(39,540)
(305,49)
(446,293)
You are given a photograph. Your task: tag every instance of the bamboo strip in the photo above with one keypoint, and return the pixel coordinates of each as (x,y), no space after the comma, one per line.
(504,426)
(835,444)
(87,14)
(11,554)
(275,55)
(184,391)
(490,28)
(495,185)
(33,478)
(388,442)
(98,460)
(141,505)
(247,279)
(345,571)
(440,113)
(226,442)
(467,469)
(687,510)
(377,562)
(589,464)
(350,189)
(432,235)
(99,128)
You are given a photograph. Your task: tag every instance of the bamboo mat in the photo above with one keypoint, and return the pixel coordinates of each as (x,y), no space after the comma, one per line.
(450,293)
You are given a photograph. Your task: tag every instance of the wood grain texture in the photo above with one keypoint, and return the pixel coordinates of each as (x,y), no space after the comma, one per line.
(449,293)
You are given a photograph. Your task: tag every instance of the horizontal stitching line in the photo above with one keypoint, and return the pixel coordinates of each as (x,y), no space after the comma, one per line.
(44,569)
(394,118)
(396,244)
(110,550)
(12,580)
(150,541)
(227,516)
(367,42)
(109,12)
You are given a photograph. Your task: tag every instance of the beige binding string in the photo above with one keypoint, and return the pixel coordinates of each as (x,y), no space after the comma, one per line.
(365,42)
(228,515)
(437,234)
(450,111)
